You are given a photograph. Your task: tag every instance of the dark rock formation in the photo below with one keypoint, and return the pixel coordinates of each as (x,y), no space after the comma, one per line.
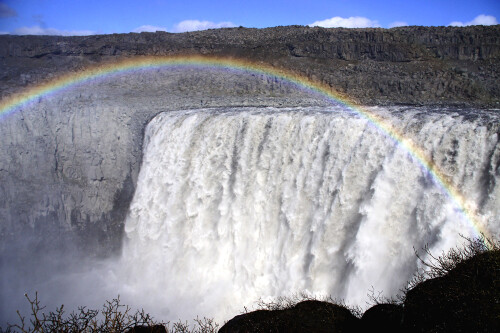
(411,65)
(384,317)
(467,299)
(307,316)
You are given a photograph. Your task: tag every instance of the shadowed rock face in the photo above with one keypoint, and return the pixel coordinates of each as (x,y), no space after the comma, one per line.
(387,317)
(464,300)
(307,316)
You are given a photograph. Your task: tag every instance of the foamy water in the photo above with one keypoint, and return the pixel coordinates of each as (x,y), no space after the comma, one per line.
(236,205)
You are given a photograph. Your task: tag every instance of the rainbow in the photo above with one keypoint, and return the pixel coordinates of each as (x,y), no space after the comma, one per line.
(16,101)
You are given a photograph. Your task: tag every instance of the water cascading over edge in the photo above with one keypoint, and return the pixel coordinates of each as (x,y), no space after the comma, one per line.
(234,205)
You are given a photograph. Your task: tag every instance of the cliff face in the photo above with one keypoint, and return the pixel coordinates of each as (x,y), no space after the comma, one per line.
(416,65)
(398,44)
(70,162)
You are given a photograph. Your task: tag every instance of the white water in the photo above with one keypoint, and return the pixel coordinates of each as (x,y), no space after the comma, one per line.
(240,204)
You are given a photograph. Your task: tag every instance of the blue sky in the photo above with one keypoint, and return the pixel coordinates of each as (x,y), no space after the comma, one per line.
(81,17)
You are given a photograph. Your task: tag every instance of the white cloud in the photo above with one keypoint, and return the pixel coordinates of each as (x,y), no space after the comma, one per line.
(398,24)
(149,28)
(478,20)
(4,33)
(37,30)
(193,25)
(350,22)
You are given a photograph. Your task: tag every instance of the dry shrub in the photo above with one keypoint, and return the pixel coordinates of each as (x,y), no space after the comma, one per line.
(114,317)
(439,266)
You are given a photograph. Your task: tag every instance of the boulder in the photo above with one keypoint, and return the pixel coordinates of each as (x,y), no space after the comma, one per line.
(306,316)
(467,299)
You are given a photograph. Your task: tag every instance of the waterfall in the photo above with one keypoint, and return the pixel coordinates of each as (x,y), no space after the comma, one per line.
(233,205)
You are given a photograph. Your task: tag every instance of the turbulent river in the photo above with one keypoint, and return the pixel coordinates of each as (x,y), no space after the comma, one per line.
(241,204)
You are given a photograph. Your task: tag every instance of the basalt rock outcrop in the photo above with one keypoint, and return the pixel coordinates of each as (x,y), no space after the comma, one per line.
(306,316)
